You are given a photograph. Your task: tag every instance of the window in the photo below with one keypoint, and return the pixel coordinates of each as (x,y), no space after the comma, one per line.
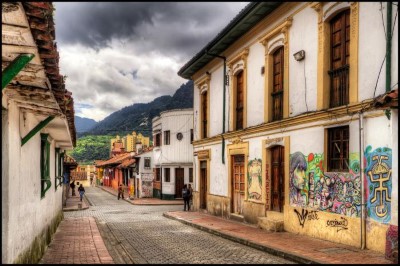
(277,82)
(167,137)
(167,175)
(204,115)
(239,101)
(147,162)
(191,136)
(340,54)
(45,183)
(158,140)
(338,149)
(158,174)
(190,175)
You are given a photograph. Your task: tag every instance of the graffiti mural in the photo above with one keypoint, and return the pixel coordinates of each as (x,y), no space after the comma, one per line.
(392,243)
(147,185)
(331,192)
(254,179)
(379,183)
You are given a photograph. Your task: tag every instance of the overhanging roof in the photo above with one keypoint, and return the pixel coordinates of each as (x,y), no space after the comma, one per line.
(242,23)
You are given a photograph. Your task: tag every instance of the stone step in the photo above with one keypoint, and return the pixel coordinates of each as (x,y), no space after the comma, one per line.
(273,222)
(236,217)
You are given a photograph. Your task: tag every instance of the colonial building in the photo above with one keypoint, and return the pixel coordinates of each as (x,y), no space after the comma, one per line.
(287,134)
(172,152)
(37,129)
(144,174)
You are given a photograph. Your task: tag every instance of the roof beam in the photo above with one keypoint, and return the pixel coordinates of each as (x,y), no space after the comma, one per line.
(36,129)
(14,68)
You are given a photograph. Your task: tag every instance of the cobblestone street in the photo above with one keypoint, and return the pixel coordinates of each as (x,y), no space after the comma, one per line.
(140,234)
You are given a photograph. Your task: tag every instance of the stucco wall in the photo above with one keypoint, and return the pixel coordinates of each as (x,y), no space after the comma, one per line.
(30,213)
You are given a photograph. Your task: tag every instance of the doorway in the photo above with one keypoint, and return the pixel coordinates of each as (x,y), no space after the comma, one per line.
(179,182)
(277,178)
(238,184)
(203,185)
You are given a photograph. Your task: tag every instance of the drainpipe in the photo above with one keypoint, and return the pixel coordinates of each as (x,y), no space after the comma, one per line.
(362,176)
(389,46)
(224,81)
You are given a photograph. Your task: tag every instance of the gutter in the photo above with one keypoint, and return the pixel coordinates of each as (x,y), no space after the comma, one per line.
(389,46)
(362,216)
(224,81)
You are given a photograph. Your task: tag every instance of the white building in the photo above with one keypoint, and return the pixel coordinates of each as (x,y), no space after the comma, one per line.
(37,128)
(172,152)
(288,138)
(145,174)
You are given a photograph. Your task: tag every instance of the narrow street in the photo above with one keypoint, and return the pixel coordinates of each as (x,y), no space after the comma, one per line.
(140,234)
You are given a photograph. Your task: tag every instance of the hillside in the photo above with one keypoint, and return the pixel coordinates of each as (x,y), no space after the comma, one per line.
(83,124)
(138,116)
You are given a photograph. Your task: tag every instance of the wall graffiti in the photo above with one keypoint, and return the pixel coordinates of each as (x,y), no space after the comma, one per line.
(147,185)
(379,183)
(267,184)
(392,243)
(338,224)
(306,215)
(254,179)
(331,192)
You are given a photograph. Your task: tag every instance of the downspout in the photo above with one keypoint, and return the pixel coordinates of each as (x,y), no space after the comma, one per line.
(389,46)
(224,82)
(363,217)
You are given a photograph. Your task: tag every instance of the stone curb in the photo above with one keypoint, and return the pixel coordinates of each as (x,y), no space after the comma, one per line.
(269,249)
(72,209)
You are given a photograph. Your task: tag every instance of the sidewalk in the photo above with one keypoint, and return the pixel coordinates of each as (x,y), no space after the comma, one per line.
(77,241)
(143,201)
(302,249)
(72,203)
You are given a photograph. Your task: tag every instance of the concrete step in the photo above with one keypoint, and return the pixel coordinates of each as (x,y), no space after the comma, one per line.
(273,222)
(236,217)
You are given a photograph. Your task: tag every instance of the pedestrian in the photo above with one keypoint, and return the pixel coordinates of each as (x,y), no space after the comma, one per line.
(120,191)
(72,186)
(186,197)
(91,180)
(191,196)
(81,191)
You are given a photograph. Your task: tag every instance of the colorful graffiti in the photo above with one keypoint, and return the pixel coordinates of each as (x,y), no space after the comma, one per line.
(332,192)
(379,183)
(254,179)
(305,215)
(392,244)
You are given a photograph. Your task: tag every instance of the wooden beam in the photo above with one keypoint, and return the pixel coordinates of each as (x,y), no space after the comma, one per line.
(41,112)
(36,129)
(14,68)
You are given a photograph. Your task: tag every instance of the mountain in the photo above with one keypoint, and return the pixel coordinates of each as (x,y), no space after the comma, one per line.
(138,116)
(84,124)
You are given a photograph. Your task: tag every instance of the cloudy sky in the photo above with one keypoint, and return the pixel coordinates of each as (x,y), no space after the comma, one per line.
(117,54)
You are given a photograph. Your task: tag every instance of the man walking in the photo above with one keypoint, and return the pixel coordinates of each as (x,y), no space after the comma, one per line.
(72,186)
(81,191)
(186,197)
(120,191)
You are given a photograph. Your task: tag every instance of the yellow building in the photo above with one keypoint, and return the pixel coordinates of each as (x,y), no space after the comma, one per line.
(129,141)
(114,140)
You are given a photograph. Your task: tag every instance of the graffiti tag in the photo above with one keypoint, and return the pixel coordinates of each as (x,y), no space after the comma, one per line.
(340,225)
(305,215)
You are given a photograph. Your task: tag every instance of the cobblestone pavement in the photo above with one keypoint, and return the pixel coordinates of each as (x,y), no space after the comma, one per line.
(140,234)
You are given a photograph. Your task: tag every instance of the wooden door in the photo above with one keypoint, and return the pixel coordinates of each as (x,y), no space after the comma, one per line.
(179,182)
(277,178)
(238,184)
(203,185)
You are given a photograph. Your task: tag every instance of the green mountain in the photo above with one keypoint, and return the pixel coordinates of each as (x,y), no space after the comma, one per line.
(94,144)
(83,124)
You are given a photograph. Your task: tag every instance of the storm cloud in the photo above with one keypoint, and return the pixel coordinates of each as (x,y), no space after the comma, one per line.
(115,54)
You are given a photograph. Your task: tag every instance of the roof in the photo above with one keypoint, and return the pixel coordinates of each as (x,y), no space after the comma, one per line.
(117,159)
(388,99)
(246,19)
(126,163)
(28,28)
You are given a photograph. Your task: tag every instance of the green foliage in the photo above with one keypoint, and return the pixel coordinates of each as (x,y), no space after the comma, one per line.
(90,148)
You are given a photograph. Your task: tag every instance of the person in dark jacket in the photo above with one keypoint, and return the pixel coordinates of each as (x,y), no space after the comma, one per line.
(186,194)
(81,191)
(120,191)
(72,186)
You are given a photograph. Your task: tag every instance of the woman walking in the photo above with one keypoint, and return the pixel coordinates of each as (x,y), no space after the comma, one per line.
(81,191)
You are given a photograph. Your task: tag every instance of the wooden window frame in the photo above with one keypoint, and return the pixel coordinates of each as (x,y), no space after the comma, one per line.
(45,182)
(191,136)
(204,114)
(239,101)
(341,146)
(277,94)
(190,174)
(157,140)
(147,162)
(157,174)
(167,137)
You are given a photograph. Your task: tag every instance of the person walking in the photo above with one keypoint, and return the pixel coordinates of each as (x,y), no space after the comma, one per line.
(191,196)
(81,191)
(186,197)
(72,186)
(120,191)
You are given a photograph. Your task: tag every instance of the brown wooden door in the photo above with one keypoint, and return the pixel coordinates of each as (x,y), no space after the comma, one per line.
(179,182)
(203,185)
(239,101)
(277,178)
(238,184)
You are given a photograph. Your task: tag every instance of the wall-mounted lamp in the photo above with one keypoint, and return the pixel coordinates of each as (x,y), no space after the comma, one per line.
(299,55)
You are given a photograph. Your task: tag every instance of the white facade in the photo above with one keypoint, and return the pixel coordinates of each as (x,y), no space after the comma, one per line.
(145,175)
(306,124)
(176,155)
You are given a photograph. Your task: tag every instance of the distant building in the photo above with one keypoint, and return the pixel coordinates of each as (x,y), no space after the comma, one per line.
(172,152)
(130,140)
